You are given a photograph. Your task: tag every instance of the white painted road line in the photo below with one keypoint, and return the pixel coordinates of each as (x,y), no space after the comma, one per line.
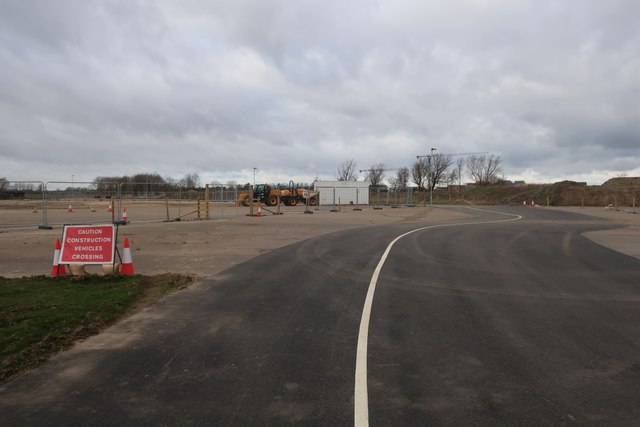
(361,394)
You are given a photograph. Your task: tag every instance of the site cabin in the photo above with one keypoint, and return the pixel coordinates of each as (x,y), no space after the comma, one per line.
(342,192)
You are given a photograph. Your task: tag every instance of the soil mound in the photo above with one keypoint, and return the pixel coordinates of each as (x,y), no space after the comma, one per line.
(623,182)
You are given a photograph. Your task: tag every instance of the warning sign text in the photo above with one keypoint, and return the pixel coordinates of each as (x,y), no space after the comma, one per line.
(88,244)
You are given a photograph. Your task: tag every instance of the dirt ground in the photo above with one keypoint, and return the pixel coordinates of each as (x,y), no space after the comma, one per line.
(625,240)
(207,247)
(189,246)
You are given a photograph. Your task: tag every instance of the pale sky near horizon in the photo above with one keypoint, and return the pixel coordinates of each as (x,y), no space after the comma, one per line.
(294,88)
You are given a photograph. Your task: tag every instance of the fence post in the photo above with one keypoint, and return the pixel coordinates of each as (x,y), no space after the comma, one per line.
(251,200)
(179,201)
(45,209)
(119,197)
(206,201)
(235,193)
(378,206)
(334,201)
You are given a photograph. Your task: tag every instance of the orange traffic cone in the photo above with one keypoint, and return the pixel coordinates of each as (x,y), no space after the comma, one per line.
(57,269)
(259,213)
(70,209)
(127,261)
(110,209)
(124,215)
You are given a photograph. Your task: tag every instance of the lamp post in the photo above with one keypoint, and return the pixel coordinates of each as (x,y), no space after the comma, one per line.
(254,177)
(72,186)
(430,175)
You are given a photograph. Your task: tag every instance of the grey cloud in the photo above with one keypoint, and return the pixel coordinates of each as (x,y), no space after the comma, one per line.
(299,87)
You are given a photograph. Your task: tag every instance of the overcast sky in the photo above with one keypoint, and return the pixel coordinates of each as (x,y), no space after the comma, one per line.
(294,88)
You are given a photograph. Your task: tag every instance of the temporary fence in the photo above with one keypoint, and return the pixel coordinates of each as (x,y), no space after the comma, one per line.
(55,203)
(63,202)
(356,197)
(392,198)
(222,194)
(18,198)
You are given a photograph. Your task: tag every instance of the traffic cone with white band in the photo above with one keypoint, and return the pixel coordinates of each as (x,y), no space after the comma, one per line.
(70,208)
(124,215)
(127,262)
(57,269)
(110,209)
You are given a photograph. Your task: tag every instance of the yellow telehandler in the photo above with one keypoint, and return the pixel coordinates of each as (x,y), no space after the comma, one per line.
(290,196)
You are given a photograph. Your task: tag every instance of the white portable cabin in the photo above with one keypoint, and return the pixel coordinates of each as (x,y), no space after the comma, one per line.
(342,192)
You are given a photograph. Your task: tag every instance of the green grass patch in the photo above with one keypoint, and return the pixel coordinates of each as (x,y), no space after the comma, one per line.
(41,316)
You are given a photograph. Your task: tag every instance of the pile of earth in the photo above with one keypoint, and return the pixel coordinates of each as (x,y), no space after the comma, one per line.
(617,192)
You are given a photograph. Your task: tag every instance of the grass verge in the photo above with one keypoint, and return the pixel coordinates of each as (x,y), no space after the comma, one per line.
(41,316)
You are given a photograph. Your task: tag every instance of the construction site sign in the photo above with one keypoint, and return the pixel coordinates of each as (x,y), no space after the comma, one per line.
(88,244)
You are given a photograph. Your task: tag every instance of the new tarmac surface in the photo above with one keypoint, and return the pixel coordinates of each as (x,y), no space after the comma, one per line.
(518,322)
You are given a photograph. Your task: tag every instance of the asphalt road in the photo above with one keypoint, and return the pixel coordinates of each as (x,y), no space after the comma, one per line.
(515,323)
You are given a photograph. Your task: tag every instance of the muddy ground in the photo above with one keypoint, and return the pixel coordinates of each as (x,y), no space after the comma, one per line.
(206,247)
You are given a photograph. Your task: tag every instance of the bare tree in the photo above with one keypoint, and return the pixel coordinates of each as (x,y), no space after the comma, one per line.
(402,178)
(459,170)
(191,180)
(375,174)
(419,173)
(23,186)
(393,183)
(451,178)
(437,166)
(484,170)
(4,184)
(347,171)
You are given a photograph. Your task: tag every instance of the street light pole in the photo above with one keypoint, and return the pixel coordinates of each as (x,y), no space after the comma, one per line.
(254,177)
(72,186)
(430,175)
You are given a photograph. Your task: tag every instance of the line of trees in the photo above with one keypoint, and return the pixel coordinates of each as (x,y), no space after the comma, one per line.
(106,183)
(427,172)
(6,185)
(189,181)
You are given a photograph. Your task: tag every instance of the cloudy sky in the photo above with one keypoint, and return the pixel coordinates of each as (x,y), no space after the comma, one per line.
(294,88)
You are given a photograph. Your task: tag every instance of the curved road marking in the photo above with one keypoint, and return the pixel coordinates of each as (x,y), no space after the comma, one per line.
(361,395)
